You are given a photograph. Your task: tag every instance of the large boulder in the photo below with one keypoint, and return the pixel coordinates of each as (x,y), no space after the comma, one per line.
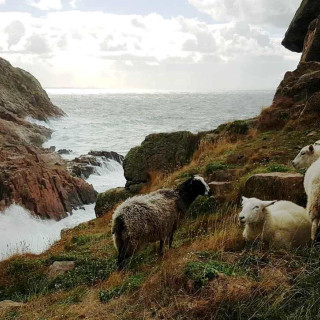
(295,35)
(276,186)
(163,152)
(38,180)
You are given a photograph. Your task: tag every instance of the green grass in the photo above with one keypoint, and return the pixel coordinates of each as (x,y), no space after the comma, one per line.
(133,283)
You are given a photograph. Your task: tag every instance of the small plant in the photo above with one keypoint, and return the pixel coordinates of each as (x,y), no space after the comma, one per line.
(238,127)
(133,283)
(203,272)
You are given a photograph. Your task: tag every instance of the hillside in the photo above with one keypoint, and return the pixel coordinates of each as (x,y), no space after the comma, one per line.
(210,273)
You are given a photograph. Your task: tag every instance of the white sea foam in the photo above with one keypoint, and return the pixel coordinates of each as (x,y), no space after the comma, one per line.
(21,232)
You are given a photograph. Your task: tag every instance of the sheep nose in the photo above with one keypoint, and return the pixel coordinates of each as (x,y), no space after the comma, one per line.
(293,164)
(241,219)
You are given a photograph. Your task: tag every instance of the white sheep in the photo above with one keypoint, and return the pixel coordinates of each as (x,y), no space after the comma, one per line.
(280,224)
(153,217)
(309,157)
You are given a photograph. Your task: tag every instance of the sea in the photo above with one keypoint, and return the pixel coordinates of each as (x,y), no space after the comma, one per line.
(105,120)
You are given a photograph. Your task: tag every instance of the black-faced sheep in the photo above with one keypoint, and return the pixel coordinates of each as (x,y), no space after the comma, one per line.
(153,217)
(309,157)
(280,224)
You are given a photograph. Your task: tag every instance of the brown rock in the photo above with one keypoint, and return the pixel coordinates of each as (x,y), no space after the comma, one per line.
(311,48)
(295,35)
(221,190)
(60,267)
(276,186)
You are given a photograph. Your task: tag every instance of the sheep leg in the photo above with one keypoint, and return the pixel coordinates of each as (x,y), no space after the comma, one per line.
(161,248)
(123,254)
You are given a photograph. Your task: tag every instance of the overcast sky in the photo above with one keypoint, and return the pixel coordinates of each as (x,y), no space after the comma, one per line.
(185,45)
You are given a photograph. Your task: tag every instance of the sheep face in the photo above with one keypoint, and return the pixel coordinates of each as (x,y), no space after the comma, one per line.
(305,158)
(194,187)
(253,210)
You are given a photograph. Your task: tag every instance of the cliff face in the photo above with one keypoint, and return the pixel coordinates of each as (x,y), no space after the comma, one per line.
(29,175)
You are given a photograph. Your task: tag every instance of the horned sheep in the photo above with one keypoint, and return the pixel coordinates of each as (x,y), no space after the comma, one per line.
(153,217)
(280,224)
(309,158)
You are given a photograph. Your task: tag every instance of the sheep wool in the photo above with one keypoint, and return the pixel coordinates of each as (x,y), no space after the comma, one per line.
(280,224)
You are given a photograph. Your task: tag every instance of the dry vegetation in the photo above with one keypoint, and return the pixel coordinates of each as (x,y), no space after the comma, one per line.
(209,274)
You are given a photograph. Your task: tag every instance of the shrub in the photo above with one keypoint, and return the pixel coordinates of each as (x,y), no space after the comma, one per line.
(238,127)
(277,168)
(202,272)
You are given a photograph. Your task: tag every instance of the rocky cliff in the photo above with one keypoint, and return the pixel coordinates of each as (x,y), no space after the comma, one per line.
(29,175)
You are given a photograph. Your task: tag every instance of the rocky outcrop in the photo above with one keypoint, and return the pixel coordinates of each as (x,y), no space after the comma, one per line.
(297,31)
(29,175)
(311,48)
(276,186)
(163,152)
(60,267)
(86,165)
(21,94)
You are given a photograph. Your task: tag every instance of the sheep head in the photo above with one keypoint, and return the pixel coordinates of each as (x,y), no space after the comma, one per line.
(253,210)
(194,187)
(306,157)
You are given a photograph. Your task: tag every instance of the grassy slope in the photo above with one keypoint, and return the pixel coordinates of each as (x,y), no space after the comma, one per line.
(209,274)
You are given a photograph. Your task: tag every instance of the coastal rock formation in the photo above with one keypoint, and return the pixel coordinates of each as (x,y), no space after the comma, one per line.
(86,165)
(163,152)
(311,48)
(297,31)
(29,175)
(276,186)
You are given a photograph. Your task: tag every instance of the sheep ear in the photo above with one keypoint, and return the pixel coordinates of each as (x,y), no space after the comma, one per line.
(269,203)
(244,199)
(311,148)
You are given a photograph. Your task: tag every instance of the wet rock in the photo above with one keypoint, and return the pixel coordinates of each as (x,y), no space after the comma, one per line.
(106,201)
(296,33)
(108,155)
(163,152)
(60,267)
(64,151)
(9,304)
(276,186)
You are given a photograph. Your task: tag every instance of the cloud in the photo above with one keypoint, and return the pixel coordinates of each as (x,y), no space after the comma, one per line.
(277,13)
(134,51)
(47,4)
(2,2)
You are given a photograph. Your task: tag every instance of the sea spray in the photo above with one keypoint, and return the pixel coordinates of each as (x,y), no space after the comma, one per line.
(22,232)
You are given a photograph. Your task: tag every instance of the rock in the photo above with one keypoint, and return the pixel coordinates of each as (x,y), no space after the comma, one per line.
(296,33)
(86,165)
(225,175)
(64,151)
(300,84)
(60,267)
(22,95)
(276,186)
(108,155)
(163,152)
(106,201)
(221,189)
(35,179)
(311,48)
(9,304)
(31,176)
